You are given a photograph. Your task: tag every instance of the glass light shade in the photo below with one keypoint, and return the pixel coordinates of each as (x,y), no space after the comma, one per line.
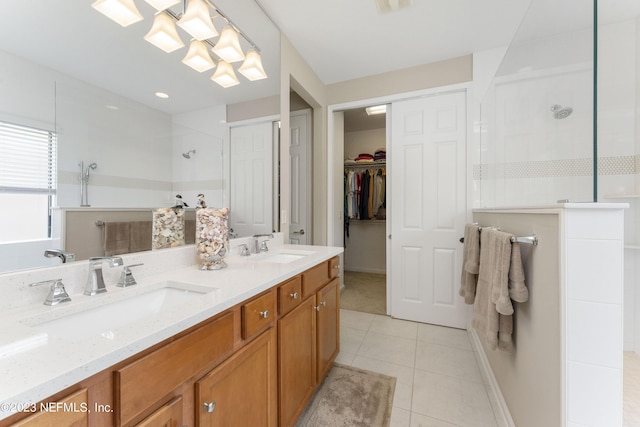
(161,5)
(228,46)
(124,12)
(163,33)
(197,21)
(198,56)
(224,75)
(251,68)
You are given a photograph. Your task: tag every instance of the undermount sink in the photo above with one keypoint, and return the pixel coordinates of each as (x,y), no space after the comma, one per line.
(283,256)
(101,317)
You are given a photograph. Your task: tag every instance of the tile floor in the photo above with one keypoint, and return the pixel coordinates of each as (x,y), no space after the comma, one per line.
(438,379)
(631,389)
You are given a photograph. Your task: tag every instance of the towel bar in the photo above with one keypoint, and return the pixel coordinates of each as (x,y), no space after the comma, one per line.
(99,223)
(531,240)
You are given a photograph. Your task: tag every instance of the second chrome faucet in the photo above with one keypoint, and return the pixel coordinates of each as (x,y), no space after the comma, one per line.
(95,282)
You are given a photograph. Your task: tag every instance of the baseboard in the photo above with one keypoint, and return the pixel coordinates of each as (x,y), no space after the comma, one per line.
(364,270)
(499,405)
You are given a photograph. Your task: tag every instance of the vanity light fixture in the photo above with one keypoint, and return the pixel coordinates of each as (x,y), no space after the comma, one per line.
(163,33)
(124,12)
(196,18)
(376,109)
(251,68)
(228,46)
(161,5)
(224,75)
(197,22)
(198,57)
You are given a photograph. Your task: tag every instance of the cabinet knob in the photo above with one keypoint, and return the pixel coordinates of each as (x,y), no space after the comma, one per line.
(294,295)
(323,303)
(317,308)
(210,406)
(337,266)
(264,314)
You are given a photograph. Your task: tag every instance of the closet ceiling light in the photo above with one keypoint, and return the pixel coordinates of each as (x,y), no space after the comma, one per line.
(251,68)
(377,109)
(196,18)
(224,75)
(228,46)
(161,5)
(197,22)
(198,57)
(124,12)
(163,33)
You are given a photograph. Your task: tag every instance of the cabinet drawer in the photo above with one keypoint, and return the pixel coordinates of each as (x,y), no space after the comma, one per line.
(314,278)
(144,382)
(334,267)
(289,295)
(257,314)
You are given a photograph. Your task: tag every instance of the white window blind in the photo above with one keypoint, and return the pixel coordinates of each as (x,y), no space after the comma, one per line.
(27,160)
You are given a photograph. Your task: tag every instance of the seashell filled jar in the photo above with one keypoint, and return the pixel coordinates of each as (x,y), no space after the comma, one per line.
(212,237)
(167,230)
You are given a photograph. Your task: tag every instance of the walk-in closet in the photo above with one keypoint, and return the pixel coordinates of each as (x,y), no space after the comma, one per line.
(365,173)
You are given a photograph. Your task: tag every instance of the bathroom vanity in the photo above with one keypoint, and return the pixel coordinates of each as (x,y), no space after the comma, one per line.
(247,345)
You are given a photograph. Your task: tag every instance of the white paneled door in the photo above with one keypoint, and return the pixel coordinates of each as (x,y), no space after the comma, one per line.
(300,158)
(428,140)
(251,172)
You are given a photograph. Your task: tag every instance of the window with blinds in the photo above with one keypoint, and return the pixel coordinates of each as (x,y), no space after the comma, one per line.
(27,182)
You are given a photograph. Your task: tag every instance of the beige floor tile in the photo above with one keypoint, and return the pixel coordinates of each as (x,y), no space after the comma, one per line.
(401,351)
(444,336)
(351,339)
(450,399)
(451,361)
(395,327)
(356,319)
(419,420)
(400,418)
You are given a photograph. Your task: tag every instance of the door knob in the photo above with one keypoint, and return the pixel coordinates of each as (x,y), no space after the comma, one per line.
(210,406)
(298,232)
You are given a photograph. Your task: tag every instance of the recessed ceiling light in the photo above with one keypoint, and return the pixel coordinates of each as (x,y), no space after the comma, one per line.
(112,107)
(162,95)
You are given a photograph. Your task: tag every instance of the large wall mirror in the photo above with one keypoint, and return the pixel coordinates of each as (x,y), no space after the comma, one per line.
(90,86)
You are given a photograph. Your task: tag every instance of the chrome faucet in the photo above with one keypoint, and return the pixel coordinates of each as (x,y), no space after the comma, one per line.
(95,282)
(57,294)
(64,256)
(261,246)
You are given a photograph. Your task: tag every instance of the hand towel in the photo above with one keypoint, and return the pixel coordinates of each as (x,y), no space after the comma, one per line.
(470,260)
(500,281)
(485,317)
(497,329)
(115,238)
(140,236)
(517,288)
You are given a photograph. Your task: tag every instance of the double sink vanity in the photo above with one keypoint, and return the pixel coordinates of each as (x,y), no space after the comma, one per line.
(245,345)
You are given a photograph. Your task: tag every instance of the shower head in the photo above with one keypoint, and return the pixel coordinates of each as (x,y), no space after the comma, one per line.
(560,112)
(188,154)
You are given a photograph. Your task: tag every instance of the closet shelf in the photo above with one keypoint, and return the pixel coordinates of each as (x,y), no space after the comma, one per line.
(364,164)
(371,221)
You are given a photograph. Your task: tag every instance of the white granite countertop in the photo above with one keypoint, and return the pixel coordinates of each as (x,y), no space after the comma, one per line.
(50,362)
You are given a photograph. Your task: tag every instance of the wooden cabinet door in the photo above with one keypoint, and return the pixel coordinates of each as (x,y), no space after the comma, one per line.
(69,411)
(170,415)
(297,361)
(328,326)
(242,390)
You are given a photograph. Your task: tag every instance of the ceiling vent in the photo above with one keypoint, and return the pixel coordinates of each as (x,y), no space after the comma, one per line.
(385,6)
